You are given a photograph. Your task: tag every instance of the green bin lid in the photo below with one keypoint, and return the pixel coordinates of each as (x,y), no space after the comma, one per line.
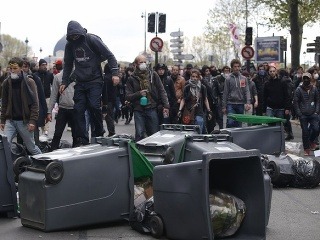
(142,168)
(254,119)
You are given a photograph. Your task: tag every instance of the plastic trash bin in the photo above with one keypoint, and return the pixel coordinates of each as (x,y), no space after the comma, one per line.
(166,145)
(268,137)
(255,119)
(8,197)
(196,145)
(70,188)
(181,194)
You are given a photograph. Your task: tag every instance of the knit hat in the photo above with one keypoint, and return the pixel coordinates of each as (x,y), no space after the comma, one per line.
(42,61)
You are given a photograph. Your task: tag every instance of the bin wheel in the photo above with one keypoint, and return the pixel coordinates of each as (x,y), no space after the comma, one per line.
(274,171)
(54,172)
(169,156)
(156,226)
(19,165)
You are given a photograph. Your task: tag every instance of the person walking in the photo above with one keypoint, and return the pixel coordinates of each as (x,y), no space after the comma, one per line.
(306,105)
(145,91)
(20,106)
(84,53)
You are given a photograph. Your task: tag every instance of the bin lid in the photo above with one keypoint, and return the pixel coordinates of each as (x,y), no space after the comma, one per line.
(254,119)
(141,165)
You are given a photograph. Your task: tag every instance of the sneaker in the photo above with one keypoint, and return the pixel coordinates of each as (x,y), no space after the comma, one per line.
(307,152)
(313,146)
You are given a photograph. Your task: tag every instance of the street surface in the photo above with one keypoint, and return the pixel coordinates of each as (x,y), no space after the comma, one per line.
(294,214)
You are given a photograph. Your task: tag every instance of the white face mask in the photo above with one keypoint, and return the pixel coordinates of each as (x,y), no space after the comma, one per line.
(143,66)
(316,76)
(226,75)
(14,76)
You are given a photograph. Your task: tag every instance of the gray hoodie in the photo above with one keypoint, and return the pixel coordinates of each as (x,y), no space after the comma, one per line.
(236,90)
(64,100)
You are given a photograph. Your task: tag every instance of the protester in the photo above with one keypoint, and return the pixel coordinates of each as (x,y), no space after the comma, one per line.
(145,91)
(306,104)
(236,94)
(20,106)
(84,52)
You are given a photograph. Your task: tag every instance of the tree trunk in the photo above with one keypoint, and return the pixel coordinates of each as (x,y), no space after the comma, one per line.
(296,34)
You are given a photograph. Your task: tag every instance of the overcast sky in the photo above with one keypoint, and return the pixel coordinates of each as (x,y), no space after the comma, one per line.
(118,23)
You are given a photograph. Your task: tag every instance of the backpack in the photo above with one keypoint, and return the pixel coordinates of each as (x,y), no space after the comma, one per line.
(93,47)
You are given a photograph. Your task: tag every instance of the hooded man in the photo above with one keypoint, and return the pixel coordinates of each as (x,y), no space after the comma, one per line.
(84,53)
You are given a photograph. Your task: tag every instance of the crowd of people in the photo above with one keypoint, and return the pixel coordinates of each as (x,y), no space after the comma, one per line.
(86,95)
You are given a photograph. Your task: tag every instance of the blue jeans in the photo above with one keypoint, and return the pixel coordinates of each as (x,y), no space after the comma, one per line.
(87,96)
(237,109)
(279,113)
(146,123)
(199,121)
(310,129)
(13,127)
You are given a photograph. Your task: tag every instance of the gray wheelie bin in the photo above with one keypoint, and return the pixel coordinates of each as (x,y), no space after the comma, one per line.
(181,193)
(8,197)
(166,145)
(267,136)
(198,144)
(70,188)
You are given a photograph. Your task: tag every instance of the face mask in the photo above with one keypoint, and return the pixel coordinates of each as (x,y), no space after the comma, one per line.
(299,75)
(143,66)
(261,72)
(226,75)
(14,76)
(316,76)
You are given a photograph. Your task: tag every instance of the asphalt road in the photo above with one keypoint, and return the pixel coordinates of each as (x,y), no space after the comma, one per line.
(294,214)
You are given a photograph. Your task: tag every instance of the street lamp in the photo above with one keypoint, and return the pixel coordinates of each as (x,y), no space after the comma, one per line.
(26,41)
(144,15)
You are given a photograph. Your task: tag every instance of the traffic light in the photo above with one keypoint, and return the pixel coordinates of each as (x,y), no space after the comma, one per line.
(283,44)
(248,40)
(317,47)
(162,23)
(151,22)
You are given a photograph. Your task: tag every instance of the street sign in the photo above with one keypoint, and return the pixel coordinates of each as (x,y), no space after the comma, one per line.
(156,44)
(311,50)
(176,40)
(176,50)
(176,34)
(179,45)
(183,56)
(311,44)
(247,52)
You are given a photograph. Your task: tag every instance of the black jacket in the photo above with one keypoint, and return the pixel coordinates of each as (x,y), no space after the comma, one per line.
(46,78)
(86,58)
(306,103)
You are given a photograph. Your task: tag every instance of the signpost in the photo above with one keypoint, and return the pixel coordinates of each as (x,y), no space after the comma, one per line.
(183,56)
(176,34)
(247,52)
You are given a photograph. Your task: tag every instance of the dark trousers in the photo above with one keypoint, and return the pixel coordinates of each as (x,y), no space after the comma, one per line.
(64,117)
(87,95)
(110,119)
(310,129)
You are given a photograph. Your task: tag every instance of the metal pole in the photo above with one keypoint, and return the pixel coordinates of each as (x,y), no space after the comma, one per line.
(26,41)
(285,60)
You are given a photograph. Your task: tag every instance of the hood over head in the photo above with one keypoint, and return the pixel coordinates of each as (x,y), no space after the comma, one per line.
(75,28)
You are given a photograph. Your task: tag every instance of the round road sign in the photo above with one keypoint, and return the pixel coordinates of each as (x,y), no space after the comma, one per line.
(156,44)
(247,52)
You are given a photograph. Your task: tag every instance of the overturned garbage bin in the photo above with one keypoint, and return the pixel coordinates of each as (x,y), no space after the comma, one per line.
(8,197)
(221,143)
(166,145)
(70,188)
(267,134)
(181,194)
